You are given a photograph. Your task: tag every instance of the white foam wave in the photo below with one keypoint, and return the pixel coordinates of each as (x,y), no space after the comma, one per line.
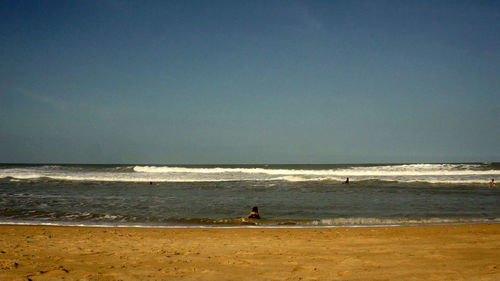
(291,178)
(401,221)
(431,173)
(391,170)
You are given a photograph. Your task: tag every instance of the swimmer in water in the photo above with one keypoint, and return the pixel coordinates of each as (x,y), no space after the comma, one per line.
(254,214)
(346,181)
(492,183)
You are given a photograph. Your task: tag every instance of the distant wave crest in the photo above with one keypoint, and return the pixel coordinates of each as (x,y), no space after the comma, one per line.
(389,170)
(430,173)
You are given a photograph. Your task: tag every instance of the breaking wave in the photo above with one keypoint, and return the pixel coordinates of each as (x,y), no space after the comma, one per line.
(430,173)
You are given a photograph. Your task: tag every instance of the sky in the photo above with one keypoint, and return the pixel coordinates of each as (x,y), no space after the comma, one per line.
(228,82)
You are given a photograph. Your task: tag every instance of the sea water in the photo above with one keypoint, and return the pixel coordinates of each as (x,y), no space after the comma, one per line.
(222,195)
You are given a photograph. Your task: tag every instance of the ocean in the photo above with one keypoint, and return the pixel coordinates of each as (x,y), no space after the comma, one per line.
(223,195)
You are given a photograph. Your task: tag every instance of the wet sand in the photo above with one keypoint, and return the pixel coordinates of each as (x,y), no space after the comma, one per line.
(437,252)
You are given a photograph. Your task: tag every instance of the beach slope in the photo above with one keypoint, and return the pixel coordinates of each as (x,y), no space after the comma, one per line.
(436,252)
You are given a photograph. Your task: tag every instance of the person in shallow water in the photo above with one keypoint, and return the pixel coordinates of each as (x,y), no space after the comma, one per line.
(492,183)
(346,181)
(254,214)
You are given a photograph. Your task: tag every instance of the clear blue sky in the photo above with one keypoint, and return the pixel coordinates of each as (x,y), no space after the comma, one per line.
(249,81)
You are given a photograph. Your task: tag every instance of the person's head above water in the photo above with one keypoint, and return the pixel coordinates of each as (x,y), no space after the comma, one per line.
(254,214)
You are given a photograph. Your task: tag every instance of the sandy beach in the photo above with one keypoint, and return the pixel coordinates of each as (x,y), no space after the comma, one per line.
(438,252)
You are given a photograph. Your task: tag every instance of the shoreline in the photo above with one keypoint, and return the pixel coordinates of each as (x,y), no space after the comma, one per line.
(423,252)
(244,226)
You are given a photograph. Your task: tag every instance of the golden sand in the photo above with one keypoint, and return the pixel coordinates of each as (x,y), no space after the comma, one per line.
(438,252)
